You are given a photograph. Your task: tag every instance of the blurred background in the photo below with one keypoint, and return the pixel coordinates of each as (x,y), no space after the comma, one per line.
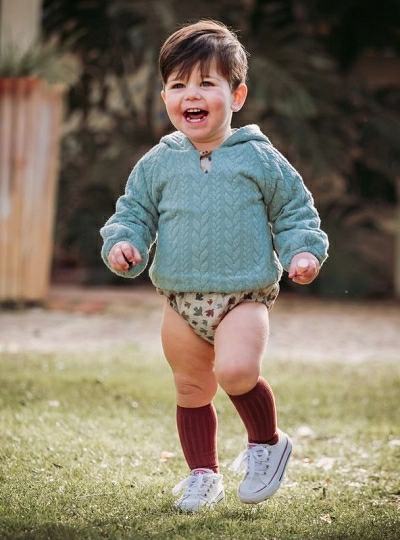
(324,86)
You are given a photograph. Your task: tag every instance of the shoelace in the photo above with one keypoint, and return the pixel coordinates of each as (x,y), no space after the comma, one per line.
(197,484)
(253,458)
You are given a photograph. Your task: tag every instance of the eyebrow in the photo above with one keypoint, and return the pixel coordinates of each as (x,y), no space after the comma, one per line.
(204,76)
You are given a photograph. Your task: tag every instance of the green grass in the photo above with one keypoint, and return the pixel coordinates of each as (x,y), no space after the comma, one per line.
(81,438)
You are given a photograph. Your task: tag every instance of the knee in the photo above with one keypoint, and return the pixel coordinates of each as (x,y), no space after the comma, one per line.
(195,393)
(237,379)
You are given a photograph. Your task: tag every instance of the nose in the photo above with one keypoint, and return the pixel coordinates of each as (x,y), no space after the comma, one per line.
(192,92)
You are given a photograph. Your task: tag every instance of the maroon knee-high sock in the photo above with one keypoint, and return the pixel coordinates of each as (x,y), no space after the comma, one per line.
(257,410)
(197,429)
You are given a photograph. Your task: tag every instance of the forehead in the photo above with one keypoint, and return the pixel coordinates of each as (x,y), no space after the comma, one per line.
(200,69)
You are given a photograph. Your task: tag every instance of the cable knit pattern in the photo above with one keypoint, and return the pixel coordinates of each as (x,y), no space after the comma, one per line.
(232,229)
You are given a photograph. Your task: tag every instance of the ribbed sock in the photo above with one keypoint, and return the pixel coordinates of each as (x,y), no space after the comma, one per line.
(197,429)
(257,410)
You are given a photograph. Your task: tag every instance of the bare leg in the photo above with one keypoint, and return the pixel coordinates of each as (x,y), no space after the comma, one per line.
(191,359)
(240,345)
(192,362)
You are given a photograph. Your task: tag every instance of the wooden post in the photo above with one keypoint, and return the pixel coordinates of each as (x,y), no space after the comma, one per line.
(397,248)
(30,125)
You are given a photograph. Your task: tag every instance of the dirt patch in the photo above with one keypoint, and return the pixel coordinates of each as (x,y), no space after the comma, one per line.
(77,318)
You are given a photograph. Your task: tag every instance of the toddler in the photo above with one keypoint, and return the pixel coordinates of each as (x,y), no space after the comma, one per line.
(227,213)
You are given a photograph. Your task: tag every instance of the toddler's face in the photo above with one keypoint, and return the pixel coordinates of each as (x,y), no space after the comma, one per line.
(201,107)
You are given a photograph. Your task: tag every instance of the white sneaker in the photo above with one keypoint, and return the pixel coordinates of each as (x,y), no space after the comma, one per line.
(265,465)
(203,488)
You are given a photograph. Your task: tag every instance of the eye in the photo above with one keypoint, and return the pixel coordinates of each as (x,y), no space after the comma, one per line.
(206,83)
(177,86)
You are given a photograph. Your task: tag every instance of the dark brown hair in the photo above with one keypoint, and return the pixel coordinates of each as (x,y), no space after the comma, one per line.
(201,43)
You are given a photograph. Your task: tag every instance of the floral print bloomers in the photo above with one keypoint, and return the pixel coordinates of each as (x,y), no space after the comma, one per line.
(204,311)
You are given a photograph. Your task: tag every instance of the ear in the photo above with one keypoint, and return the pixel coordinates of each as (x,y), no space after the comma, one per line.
(239,97)
(163,95)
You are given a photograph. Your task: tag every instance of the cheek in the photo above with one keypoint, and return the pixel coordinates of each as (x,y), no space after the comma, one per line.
(223,102)
(171,106)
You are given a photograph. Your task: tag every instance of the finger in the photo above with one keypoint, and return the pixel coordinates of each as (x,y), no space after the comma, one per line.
(302,266)
(299,267)
(129,263)
(302,280)
(131,255)
(137,258)
(119,260)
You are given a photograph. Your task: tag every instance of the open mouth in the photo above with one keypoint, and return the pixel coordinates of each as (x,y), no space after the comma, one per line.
(195,115)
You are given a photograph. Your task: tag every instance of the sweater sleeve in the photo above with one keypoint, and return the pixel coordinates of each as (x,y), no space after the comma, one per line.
(294,220)
(135,220)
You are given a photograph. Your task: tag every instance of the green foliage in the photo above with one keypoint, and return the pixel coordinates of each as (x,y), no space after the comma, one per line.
(357,25)
(45,61)
(89,451)
(341,134)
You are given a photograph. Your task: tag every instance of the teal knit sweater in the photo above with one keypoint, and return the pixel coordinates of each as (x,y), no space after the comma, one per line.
(230,230)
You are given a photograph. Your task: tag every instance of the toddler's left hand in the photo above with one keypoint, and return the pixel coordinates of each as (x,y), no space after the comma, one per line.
(302,273)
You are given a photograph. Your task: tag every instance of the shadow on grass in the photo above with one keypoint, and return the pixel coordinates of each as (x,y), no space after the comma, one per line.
(280,520)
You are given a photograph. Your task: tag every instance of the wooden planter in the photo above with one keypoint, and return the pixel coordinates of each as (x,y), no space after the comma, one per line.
(30,125)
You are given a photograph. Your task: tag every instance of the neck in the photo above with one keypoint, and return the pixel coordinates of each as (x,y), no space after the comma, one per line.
(211,145)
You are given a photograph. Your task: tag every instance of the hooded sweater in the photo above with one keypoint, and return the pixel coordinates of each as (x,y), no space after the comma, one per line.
(232,229)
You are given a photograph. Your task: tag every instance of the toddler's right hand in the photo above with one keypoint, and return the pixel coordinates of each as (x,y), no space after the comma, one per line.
(123,256)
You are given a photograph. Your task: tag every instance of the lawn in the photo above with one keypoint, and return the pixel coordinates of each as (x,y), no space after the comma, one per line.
(89,451)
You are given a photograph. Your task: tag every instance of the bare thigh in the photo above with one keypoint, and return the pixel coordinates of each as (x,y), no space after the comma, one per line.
(240,344)
(191,359)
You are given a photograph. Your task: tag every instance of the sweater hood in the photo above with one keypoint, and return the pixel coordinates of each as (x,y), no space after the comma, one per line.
(179,141)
